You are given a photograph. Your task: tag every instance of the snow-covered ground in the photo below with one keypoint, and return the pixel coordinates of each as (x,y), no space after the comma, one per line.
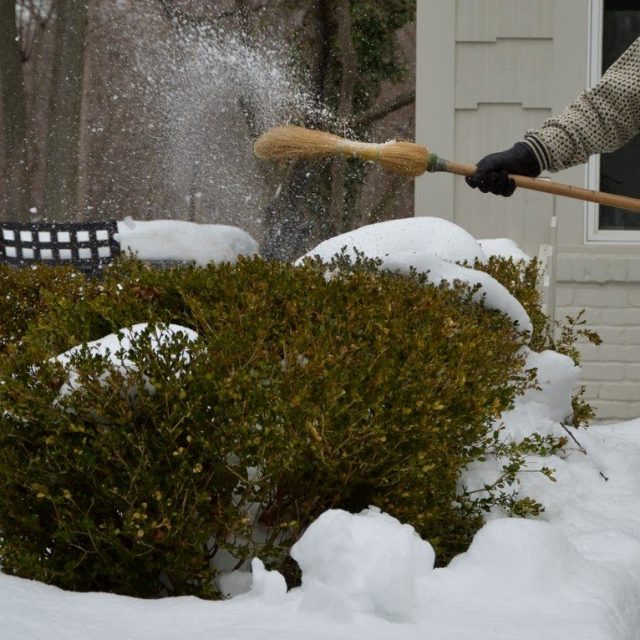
(572,573)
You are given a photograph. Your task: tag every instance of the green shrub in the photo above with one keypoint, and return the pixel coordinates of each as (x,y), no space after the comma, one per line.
(27,294)
(522,280)
(303,393)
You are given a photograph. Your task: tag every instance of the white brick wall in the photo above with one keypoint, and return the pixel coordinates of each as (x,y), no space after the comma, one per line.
(607,287)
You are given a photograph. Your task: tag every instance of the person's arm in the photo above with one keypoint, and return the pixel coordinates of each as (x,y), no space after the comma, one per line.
(601,119)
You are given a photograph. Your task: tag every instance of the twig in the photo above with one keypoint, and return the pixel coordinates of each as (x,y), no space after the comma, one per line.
(182,20)
(378,112)
(580,447)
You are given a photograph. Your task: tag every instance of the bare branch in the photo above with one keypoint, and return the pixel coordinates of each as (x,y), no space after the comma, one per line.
(181,20)
(184,21)
(580,447)
(35,10)
(27,27)
(381,111)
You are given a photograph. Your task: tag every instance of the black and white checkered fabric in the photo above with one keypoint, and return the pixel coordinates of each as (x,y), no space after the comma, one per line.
(85,245)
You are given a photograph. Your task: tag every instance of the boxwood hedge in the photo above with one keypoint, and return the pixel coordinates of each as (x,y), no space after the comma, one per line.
(305,391)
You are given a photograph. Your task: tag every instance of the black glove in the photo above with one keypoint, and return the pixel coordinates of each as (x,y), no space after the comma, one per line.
(492,172)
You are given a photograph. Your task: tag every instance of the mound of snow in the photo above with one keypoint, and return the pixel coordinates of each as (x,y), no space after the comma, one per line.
(367,562)
(410,236)
(268,586)
(515,553)
(178,240)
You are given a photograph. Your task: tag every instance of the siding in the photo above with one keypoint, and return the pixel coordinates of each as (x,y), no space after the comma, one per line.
(488,20)
(488,70)
(503,53)
(508,71)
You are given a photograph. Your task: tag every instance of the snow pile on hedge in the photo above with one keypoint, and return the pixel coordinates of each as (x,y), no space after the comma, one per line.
(116,347)
(429,245)
(181,241)
(572,573)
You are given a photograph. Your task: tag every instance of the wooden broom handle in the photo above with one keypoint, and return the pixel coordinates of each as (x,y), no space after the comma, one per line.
(557,188)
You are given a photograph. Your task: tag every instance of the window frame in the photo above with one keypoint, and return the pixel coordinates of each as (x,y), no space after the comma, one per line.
(593,234)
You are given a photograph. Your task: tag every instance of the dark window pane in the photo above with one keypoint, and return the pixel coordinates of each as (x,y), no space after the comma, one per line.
(620,171)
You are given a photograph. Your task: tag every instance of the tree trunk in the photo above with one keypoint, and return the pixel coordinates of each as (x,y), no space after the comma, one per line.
(349,69)
(14,117)
(321,25)
(65,111)
(84,136)
(286,230)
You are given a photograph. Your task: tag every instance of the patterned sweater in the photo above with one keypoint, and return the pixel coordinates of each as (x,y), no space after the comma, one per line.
(599,120)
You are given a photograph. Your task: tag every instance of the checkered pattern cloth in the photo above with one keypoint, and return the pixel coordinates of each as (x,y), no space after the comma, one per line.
(87,246)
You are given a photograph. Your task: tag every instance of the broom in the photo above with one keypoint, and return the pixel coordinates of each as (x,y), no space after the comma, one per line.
(406,158)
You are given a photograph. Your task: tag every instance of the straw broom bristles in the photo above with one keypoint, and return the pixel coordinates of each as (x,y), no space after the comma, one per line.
(286,143)
(405,158)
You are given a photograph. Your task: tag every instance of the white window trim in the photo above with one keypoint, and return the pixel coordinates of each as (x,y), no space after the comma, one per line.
(594,235)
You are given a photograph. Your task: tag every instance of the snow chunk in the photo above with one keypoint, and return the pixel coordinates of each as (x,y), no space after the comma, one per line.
(178,240)
(367,562)
(269,586)
(234,583)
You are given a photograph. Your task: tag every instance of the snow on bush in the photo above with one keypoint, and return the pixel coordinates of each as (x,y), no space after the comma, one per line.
(503,248)
(410,236)
(430,245)
(116,348)
(178,240)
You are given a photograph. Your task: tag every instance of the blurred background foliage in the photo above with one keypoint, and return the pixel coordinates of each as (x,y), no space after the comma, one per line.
(149,108)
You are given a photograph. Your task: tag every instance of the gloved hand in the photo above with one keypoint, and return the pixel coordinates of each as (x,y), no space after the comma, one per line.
(492,172)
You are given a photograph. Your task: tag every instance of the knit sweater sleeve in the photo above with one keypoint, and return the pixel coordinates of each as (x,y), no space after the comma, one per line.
(601,119)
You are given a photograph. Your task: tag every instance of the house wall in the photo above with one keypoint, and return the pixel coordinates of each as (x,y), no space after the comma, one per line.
(488,70)
(607,287)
